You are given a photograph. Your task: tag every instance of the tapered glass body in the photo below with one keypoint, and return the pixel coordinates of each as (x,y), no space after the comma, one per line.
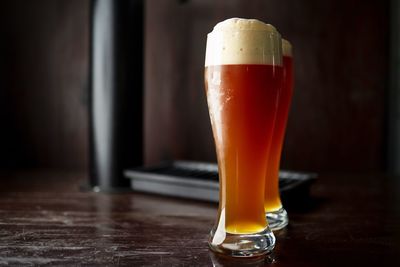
(243,75)
(275,213)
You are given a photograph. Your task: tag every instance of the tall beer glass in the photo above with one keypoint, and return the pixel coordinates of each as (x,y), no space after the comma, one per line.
(243,74)
(275,213)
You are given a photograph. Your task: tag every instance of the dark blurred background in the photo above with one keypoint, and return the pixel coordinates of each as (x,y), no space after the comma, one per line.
(341,111)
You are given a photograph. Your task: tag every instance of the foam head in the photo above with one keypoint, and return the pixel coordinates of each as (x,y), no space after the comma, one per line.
(287,48)
(243,41)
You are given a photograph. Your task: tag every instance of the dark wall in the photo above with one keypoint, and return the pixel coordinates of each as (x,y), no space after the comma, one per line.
(337,118)
(44,74)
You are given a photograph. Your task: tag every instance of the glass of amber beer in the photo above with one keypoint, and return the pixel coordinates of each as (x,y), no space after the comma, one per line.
(276,215)
(243,74)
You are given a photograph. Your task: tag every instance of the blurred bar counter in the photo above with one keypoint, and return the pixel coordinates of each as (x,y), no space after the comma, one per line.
(350,220)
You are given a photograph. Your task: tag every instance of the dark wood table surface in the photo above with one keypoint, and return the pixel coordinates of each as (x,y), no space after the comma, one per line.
(350,220)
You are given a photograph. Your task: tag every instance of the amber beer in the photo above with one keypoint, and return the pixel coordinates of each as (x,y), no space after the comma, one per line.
(243,75)
(242,113)
(276,215)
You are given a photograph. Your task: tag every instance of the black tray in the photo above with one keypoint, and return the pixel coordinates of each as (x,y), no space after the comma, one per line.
(199,180)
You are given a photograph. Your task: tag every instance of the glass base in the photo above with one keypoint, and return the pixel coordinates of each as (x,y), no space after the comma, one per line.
(242,245)
(277,219)
(220,260)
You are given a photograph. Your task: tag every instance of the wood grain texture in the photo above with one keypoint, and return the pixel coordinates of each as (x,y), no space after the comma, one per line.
(350,220)
(44,81)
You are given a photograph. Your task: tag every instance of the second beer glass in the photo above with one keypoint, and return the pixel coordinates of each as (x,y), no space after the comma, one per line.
(243,74)
(276,214)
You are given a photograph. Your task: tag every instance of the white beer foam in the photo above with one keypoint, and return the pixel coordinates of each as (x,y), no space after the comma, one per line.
(243,41)
(286,48)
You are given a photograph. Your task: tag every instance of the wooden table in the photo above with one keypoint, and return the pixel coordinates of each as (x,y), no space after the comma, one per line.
(351,220)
